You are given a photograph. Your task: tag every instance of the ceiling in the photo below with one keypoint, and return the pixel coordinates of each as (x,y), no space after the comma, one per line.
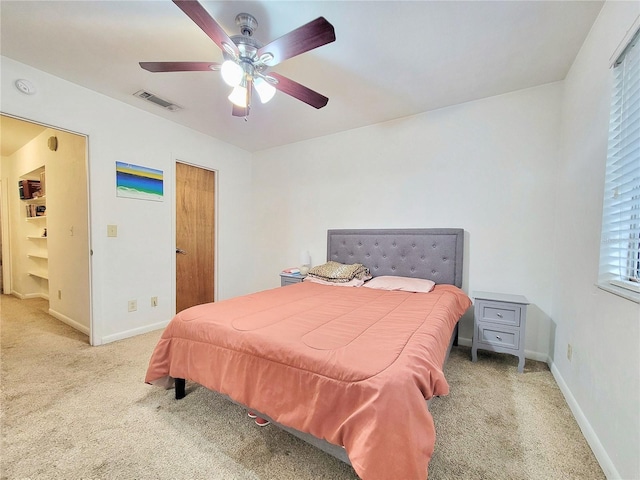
(391,59)
(14,134)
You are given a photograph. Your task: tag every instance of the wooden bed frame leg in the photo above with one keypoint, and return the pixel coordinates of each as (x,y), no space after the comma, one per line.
(180,388)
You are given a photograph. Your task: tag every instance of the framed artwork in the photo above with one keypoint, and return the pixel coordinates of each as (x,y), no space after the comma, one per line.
(134,181)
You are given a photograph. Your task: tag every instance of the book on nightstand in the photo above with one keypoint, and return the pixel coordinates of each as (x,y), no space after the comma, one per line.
(292,271)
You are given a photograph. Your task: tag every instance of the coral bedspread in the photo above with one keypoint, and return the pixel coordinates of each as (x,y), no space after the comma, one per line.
(352,366)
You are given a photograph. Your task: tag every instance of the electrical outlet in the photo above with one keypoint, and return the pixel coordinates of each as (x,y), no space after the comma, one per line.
(569,351)
(59,294)
(133,305)
(112,230)
(154,301)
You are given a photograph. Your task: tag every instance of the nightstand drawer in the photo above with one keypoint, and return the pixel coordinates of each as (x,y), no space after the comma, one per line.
(290,279)
(492,336)
(497,312)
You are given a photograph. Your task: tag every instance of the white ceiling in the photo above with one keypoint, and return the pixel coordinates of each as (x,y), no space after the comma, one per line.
(391,59)
(14,134)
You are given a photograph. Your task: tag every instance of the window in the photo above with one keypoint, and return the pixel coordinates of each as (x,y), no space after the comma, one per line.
(620,247)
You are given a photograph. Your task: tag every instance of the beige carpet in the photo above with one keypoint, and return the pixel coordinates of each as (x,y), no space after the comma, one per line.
(72,411)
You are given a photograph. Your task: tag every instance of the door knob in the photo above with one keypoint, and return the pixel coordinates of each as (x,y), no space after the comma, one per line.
(180,251)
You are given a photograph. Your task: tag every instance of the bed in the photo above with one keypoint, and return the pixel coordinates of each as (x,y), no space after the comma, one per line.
(347,369)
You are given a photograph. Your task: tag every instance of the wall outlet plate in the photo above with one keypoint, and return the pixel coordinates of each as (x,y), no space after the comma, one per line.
(133,305)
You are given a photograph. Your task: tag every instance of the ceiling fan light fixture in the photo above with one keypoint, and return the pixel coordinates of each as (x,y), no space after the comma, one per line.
(265,90)
(239,96)
(232,73)
(228,48)
(266,57)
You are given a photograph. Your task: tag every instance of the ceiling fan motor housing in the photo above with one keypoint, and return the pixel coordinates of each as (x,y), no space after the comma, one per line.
(248,46)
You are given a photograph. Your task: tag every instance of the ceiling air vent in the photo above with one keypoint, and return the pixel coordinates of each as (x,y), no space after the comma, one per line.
(161,102)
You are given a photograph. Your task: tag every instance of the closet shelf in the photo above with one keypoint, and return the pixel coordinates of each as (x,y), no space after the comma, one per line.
(42,275)
(36,200)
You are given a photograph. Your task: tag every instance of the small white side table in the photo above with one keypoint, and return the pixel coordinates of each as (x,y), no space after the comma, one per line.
(290,278)
(499,324)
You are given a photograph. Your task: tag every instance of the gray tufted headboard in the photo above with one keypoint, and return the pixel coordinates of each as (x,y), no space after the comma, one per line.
(431,253)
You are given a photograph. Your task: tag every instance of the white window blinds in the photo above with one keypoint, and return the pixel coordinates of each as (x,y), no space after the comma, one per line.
(620,247)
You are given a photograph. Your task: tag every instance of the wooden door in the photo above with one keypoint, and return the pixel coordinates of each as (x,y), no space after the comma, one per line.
(195,235)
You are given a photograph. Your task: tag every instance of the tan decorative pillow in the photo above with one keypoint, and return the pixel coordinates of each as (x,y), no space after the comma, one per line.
(339,272)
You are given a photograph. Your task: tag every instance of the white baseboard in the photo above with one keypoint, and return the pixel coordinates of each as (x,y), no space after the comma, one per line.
(72,323)
(540,357)
(29,295)
(590,435)
(131,333)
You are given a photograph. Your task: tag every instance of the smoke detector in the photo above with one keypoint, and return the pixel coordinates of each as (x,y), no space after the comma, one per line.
(25,86)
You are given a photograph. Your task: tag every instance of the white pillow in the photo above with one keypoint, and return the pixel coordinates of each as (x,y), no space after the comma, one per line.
(406,284)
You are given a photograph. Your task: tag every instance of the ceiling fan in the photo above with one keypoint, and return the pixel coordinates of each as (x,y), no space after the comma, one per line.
(247,61)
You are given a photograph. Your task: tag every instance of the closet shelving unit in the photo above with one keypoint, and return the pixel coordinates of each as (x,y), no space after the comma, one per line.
(37,238)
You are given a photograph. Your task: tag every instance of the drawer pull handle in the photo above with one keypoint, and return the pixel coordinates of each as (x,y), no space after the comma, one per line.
(498,337)
(499,315)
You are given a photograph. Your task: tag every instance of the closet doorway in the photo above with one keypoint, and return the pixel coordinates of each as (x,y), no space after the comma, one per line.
(195,235)
(44,218)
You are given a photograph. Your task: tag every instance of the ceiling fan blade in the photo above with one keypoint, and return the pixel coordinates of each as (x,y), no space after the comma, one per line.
(307,37)
(180,66)
(302,93)
(201,17)
(239,111)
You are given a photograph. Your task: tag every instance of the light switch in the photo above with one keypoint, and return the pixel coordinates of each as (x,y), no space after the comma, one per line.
(112,230)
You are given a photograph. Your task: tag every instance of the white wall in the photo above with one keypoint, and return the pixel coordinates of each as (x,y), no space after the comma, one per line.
(67,227)
(139,263)
(487,166)
(602,381)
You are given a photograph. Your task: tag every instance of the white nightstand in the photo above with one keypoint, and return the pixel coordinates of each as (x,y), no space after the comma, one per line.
(290,278)
(499,324)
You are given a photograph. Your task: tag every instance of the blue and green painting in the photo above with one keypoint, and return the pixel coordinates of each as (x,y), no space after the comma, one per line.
(134,181)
